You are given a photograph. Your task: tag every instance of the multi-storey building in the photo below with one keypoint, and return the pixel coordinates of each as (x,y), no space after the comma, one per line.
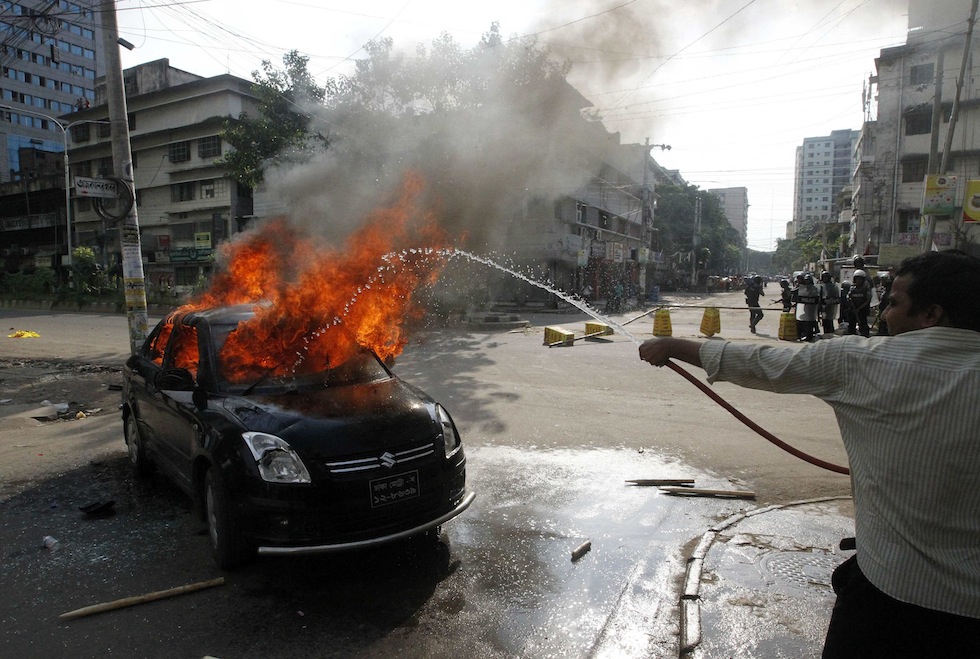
(824,166)
(735,204)
(912,82)
(50,58)
(185,201)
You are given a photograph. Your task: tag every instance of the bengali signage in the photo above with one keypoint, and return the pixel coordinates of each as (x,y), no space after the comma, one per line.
(96,187)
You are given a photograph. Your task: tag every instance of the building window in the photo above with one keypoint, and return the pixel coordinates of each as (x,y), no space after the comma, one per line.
(185,276)
(104,129)
(81,133)
(182,191)
(180,152)
(209,147)
(922,74)
(914,171)
(918,122)
(105,166)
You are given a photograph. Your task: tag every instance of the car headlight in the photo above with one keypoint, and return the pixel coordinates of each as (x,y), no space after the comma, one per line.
(276,460)
(449,436)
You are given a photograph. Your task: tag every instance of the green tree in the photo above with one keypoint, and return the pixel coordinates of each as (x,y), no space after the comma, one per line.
(281,128)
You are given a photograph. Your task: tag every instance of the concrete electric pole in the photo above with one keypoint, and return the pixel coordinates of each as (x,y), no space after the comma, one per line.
(134,284)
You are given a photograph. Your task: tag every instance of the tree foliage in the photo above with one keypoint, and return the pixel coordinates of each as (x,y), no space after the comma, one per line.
(675,219)
(281,127)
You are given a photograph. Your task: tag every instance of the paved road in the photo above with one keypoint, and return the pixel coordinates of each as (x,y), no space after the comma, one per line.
(551,435)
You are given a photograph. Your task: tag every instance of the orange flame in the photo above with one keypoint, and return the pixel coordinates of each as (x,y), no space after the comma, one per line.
(316,305)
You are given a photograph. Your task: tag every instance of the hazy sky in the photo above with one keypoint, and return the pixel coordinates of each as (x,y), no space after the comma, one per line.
(733,86)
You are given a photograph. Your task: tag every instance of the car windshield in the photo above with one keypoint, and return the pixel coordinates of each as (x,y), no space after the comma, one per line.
(364,366)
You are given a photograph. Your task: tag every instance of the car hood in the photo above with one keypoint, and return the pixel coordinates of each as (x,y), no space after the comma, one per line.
(353,418)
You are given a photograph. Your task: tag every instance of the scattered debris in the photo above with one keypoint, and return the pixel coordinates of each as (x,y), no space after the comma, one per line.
(697,492)
(99,509)
(140,599)
(24,334)
(581,550)
(50,542)
(683,482)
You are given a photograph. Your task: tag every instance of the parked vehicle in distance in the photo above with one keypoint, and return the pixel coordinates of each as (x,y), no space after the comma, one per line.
(334,458)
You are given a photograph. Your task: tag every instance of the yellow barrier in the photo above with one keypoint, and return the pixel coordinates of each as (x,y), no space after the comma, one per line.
(711,322)
(661,323)
(558,336)
(598,329)
(787,326)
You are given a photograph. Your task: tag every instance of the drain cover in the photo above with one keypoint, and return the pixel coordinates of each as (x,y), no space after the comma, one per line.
(801,569)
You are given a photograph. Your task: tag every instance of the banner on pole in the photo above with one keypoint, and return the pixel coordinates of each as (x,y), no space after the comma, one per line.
(939,195)
(971,204)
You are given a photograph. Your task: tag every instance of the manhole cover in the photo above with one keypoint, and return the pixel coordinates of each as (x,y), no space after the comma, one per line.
(801,569)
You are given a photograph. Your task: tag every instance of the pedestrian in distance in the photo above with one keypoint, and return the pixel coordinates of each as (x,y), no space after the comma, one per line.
(906,406)
(753,290)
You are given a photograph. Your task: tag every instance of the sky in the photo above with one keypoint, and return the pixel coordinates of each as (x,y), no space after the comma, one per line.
(732,86)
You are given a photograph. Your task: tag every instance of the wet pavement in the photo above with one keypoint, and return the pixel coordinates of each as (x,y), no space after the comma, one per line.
(758,583)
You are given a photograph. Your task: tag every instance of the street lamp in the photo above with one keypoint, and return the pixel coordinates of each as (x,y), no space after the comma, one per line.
(65,127)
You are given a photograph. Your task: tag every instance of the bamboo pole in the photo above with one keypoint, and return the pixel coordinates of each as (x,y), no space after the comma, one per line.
(140,599)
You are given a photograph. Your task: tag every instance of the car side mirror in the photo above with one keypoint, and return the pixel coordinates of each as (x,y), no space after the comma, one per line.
(200,398)
(178,379)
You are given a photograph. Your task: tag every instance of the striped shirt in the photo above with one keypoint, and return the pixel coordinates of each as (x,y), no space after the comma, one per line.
(908,408)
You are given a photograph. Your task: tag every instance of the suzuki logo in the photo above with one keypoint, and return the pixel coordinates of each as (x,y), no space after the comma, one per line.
(387,460)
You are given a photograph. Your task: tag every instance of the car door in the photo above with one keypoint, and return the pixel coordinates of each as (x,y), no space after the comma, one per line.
(146,398)
(179,426)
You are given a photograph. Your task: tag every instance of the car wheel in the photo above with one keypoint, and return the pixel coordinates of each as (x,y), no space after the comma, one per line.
(227,544)
(135,447)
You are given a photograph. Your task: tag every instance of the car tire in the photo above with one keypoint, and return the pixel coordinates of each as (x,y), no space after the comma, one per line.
(227,544)
(135,447)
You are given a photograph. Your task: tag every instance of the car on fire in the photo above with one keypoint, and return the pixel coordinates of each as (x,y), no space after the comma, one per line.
(328,459)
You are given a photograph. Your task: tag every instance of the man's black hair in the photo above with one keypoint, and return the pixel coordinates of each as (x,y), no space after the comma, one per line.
(951,279)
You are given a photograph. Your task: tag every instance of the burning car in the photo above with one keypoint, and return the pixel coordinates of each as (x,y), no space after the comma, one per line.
(329,452)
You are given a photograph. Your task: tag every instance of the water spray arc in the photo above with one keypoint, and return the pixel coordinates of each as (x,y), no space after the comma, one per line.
(584,307)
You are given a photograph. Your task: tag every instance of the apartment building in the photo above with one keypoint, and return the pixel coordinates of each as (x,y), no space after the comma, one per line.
(824,166)
(735,203)
(50,58)
(186,202)
(908,82)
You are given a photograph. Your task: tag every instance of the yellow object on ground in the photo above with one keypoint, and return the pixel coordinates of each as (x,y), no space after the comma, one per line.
(711,322)
(787,326)
(661,323)
(24,334)
(598,329)
(558,336)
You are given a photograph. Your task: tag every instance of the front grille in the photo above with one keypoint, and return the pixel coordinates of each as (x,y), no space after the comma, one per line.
(387,460)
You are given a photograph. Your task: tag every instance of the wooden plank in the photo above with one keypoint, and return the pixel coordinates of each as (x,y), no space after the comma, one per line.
(699,492)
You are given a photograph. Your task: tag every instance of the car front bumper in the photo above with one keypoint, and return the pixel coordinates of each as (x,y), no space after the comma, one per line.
(370,542)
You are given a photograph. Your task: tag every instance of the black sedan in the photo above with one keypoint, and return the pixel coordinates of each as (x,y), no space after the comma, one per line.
(310,461)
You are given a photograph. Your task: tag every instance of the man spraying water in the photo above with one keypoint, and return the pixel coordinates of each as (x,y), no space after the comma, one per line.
(908,416)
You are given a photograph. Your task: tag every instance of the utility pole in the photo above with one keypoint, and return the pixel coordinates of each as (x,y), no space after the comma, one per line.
(696,239)
(134,283)
(944,165)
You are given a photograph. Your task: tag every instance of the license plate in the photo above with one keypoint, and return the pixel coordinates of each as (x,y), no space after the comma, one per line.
(392,489)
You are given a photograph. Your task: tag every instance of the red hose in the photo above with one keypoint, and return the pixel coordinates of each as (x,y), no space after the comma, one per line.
(829,466)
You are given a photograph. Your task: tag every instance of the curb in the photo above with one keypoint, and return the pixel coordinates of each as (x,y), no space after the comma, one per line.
(690,600)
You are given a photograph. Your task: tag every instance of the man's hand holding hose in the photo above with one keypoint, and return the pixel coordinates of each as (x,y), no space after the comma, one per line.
(659,351)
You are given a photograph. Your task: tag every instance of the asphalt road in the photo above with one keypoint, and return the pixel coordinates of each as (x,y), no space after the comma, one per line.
(551,435)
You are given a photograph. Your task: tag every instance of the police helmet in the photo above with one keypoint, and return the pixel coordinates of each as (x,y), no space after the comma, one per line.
(860,273)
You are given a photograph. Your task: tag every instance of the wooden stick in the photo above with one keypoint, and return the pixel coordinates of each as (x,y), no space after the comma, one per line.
(140,599)
(693,491)
(686,482)
(577,338)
